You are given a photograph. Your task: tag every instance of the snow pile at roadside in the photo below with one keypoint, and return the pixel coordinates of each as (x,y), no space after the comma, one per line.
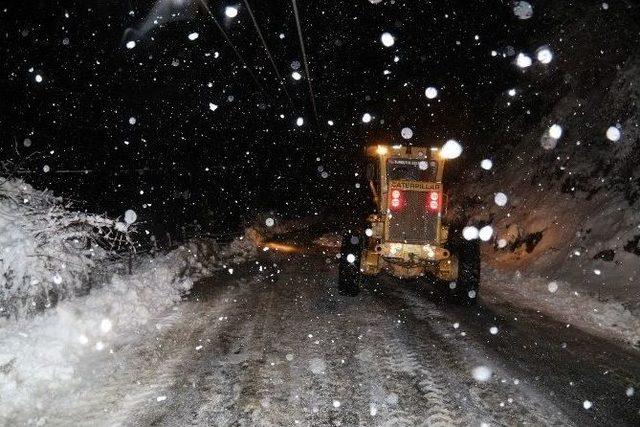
(564,302)
(47,252)
(41,354)
(240,249)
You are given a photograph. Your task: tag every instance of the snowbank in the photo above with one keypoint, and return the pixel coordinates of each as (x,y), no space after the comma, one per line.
(565,302)
(41,354)
(48,252)
(53,310)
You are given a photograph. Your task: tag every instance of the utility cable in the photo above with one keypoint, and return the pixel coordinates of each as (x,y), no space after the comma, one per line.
(304,58)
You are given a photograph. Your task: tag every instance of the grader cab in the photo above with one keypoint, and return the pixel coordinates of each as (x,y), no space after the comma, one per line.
(406,236)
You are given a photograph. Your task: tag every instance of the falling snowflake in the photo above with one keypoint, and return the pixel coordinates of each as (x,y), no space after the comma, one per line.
(269,222)
(299,121)
(431,92)
(46,169)
(193,36)
(470,232)
(512,92)
(485,233)
(451,149)
(38,78)
(387,39)
(613,134)
(544,55)
(392,399)
(317,366)
(547,142)
(555,131)
(552,287)
(132,121)
(131,44)
(231,11)
(406,133)
(212,106)
(587,404)
(500,199)
(366,118)
(351,258)
(486,164)
(481,373)
(523,60)
(296,75)
(523,10)
(130,216)
(493,330)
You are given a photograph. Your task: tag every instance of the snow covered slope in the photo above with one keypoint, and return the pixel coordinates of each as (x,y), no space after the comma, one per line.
(573,212)
(568,168)
(41,352)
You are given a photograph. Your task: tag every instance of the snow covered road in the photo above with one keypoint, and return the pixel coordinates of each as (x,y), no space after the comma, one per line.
(245,351)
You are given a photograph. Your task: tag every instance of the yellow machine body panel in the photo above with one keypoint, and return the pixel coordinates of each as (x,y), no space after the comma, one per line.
(406,234)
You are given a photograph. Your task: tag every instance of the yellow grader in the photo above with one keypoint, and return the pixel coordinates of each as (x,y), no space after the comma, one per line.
(406,236)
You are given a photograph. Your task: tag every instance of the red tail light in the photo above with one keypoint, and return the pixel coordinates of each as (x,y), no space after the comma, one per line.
(396,200)
(433,201)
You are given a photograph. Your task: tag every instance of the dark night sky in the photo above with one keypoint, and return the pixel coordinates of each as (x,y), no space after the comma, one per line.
(244,156)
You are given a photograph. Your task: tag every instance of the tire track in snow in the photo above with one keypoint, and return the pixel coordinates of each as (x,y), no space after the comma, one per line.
(492,397)
(196,381)
(391,351)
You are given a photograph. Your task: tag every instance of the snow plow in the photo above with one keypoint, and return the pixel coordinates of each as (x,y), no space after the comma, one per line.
(405,237)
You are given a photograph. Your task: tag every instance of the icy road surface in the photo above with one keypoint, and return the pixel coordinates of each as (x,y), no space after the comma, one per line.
(245,351)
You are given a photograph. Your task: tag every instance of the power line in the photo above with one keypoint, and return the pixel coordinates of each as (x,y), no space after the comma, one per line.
(266,48)
(304,58)
(226,37)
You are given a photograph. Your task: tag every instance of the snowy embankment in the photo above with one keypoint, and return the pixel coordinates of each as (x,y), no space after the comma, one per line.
(564,302)
(564,204)
(41,353)
(48,252)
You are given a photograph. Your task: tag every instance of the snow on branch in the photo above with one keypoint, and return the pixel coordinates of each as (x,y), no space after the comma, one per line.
(49,252)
